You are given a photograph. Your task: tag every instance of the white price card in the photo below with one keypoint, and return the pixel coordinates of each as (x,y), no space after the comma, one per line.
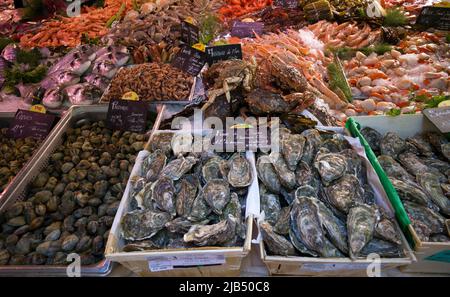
(171,262)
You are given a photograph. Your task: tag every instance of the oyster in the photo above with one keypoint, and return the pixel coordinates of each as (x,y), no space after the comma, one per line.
(421,144)
(186,194)
(267,174)
(216,193)
(181,143)
(312,144)
(276,244)
(143,224)
(386,230)
(335,229)
(440,143)
(240,174)
(153,164)
(373,137)
(306,226)
(286,176)
(270,204)
(344,193)
(392,145)
(393,169)
(234,208)
(182,225)
(439,238)
(355,164)
(412,164)
(424,220)
(330,166)
(144,197)
(306,176)
(215,168)
(431,185)
(282,225)
(162,141)
(200,209)
(383,248)
(163,195)
(361,222)
(210,235)
(292,149)
(307,191)
(409,190)
(177,168)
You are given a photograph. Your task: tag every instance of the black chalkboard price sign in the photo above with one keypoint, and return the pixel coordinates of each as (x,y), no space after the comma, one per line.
(30,124)
(247,29)
(189,33)
(286,3)
(436,17)
(440,117)
(223,52)
(127,115)
(189,60)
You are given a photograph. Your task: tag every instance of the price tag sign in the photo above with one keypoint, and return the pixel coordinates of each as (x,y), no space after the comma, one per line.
(28,123)
(440,117)
(243,138)
(171,262)
(247,29)
(436,17)
(189,33)
(286,3)
(127,115)
(223,52)
(189,60)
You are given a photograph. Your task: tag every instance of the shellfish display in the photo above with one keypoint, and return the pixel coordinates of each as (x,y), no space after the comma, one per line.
(71,204)
(328,208)
(419,170)
(182,199)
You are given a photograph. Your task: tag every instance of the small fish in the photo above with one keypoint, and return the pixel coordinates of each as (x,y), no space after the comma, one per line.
(104,68)
(99,81)
(60,79)
(119,59)
(82,94)
(53,98)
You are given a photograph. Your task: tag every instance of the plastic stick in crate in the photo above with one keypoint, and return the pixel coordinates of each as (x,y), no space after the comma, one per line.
(400,212)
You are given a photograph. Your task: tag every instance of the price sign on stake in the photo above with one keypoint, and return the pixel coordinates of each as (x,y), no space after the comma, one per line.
(189,33)
(440,117)
(189,60)
(247,29)
(223,52)
(30,124)
(127,115)
(436,17)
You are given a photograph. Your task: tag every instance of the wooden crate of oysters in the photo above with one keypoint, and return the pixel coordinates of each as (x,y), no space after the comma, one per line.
(185,213)
(324,211)
(415,157)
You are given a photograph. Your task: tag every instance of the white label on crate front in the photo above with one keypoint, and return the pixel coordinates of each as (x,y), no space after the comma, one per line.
(160,265)
(171,262)
(317,267)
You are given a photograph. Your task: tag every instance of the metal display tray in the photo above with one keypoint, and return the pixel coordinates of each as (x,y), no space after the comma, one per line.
(54,140)
(5,121)
(196,88)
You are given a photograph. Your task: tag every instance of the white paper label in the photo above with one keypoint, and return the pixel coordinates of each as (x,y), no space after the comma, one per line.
(331,267)
(160,265)
(171,262)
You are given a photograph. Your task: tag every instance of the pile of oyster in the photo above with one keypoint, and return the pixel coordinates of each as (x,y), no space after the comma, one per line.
(317,202)
(183,199)
(14,154)
(419,170)
(71,204)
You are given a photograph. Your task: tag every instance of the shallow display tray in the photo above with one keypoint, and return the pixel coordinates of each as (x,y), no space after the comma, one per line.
(139,262)
(54,140)
(195,89)
(311,266)
(425,252)
(5,121)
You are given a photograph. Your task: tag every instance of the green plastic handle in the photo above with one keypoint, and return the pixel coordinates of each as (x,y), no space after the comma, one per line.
(400,212)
